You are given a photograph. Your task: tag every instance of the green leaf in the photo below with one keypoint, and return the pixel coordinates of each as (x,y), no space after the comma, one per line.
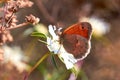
(39,35)
(43,41)
(54,61)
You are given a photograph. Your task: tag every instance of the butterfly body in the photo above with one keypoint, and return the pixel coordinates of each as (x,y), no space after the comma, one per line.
(76,39)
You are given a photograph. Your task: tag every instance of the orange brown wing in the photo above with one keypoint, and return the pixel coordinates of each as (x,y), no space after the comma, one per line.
(75,39)
(83,29)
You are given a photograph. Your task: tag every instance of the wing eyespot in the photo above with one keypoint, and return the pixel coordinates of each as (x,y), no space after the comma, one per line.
(83,27)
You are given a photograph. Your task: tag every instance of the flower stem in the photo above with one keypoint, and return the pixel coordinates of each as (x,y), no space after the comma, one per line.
(6,25)
(36,65)
(20,25)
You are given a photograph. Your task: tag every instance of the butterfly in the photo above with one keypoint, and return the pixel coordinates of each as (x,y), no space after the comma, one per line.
(76,39)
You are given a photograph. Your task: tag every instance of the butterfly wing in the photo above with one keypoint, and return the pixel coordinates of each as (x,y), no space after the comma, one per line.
(76,45)
(83,29)
(75,39)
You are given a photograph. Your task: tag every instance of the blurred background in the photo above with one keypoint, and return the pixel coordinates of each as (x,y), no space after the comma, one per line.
(101,64)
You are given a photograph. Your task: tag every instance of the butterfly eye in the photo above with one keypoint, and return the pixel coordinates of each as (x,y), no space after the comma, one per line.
(82,27)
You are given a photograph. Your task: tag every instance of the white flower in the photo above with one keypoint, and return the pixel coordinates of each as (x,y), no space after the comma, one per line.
(67,58)
(15,57)
(53,43)
(54,46)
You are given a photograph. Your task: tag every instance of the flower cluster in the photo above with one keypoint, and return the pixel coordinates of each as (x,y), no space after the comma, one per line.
(5,36)
(16,59)
(32,19)
(1,54)
(8,18)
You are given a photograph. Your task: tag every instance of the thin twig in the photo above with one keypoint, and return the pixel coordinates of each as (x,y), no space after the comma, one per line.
(4,13)
(20,25)
(9,19)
